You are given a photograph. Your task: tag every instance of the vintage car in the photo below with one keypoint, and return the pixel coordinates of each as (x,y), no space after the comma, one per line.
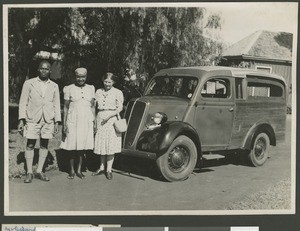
(187,113)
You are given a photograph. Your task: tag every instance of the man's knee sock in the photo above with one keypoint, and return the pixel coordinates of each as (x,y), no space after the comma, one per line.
(42,157)
(29,160)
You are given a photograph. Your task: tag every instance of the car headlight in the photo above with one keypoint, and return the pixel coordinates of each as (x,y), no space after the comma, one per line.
(159,118)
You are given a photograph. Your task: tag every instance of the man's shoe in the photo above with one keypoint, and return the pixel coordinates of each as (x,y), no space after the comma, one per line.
(98,172)
(109,175)
(29,178)
(41,176)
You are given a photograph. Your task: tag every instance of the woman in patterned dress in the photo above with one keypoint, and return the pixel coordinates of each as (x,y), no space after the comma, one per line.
(107,141)
(78,125)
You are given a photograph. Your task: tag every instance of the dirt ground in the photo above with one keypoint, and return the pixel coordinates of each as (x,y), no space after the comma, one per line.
(224,184)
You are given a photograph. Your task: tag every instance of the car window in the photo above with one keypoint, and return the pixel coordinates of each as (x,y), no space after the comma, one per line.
(216,88)
(178,86)
(256,89)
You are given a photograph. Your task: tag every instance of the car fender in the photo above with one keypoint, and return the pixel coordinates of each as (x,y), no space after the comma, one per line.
(159,139)
(262,126)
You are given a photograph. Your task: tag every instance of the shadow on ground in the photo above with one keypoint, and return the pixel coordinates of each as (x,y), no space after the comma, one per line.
(91,162)
(127,165)
(49,159)
(230,159)
(134,167)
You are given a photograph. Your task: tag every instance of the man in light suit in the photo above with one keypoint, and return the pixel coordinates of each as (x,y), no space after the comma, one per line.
(39,114)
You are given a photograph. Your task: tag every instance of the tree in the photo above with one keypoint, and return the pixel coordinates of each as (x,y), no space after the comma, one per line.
(19,48)
(29,31)
(145,40)
(133,43)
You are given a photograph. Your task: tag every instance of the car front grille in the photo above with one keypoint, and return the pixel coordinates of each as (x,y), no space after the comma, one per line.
(134,115)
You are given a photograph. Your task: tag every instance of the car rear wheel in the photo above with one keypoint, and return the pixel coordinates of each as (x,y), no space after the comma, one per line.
(179,161)
(260,151)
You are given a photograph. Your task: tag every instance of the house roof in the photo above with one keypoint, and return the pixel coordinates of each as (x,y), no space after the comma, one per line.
(263,44)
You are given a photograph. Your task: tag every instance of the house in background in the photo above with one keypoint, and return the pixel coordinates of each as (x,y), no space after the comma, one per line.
(264,51)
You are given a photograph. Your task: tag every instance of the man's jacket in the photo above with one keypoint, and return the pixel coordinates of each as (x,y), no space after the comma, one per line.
(33,105)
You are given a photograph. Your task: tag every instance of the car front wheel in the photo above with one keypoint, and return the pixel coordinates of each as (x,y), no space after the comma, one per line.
(260,151)
(179,161)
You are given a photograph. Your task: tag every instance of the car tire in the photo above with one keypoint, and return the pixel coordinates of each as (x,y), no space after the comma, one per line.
(260,150)
(179,161)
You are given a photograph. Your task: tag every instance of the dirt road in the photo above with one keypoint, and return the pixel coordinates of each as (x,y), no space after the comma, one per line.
(218,184)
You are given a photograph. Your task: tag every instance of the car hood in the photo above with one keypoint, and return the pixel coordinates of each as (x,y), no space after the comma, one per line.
(174,107)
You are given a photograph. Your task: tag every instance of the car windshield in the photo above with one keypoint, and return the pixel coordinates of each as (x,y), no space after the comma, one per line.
(178,86)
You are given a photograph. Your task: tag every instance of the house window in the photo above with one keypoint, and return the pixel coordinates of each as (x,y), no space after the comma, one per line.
(264,69)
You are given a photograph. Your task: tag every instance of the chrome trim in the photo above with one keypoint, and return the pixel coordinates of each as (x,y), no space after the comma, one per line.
(139,130)
(125,135)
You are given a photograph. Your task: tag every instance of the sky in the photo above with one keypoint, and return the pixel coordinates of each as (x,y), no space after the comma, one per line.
(242,19)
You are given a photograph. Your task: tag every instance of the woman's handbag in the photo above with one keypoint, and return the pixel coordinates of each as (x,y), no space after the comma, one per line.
(120,124)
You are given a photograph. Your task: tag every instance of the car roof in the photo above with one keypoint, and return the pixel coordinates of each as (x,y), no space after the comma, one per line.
(218,70)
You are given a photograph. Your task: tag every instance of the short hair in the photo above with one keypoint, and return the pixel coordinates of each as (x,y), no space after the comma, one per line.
(111,76)
(44,61)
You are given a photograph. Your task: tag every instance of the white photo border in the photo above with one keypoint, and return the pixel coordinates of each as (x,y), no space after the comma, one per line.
(166,212)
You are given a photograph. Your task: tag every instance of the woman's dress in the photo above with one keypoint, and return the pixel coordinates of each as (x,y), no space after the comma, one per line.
(107,140)
(80,117)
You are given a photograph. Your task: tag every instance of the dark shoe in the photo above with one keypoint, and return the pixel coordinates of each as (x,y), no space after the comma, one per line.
(98,172)
(71,176)
(41,176)
(109,175)
(29,178)
(80,175)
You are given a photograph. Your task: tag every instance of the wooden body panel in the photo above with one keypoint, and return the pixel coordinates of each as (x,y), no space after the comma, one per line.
(249,114)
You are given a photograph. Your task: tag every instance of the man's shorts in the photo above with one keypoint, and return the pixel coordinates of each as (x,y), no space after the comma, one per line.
(37,130)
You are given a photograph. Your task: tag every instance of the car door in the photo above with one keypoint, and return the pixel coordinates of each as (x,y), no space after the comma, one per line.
(214,113)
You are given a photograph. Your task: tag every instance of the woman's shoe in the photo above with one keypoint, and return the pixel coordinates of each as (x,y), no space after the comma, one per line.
(98,172)
(80,175)
(109,175)
(71,176)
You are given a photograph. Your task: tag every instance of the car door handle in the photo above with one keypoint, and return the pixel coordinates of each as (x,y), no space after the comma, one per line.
(231,109)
